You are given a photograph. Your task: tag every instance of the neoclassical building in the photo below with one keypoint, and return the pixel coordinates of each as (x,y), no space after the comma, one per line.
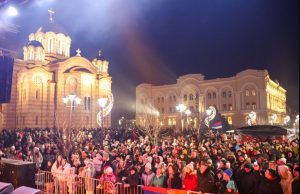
(46,75)
(234,97)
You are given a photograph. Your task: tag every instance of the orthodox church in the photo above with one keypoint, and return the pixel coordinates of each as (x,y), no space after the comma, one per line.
(50,88)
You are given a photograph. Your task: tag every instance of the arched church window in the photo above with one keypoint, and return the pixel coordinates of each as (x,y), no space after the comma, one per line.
(73,85)
(214,95)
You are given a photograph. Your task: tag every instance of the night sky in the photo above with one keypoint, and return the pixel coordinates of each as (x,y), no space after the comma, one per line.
(155,41)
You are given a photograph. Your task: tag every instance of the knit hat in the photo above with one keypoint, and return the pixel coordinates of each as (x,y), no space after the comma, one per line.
(283,160)
(108,170)
(228,172)
(190,166)
(248,165)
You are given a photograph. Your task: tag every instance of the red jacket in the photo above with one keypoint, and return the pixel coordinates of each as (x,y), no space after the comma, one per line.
(190,182)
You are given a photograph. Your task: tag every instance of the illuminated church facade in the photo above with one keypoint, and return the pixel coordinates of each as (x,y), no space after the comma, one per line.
(234,97)
(47,74)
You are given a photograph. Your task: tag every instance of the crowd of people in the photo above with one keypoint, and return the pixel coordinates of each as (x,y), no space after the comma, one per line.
(215,163)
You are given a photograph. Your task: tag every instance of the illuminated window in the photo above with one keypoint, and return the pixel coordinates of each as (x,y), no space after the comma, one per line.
(87,104)
(230,107)
(253,92)
(169,121)
(247,93)
(209,95)
(229,119)
(248,106)
(174,121)
(214,95)
(224,94)
(254,105)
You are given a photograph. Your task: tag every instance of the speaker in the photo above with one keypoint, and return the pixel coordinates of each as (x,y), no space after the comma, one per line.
(26,190)
(6,188)
(17,172)
(6,74)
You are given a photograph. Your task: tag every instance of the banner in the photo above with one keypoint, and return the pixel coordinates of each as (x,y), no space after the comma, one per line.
(157,190)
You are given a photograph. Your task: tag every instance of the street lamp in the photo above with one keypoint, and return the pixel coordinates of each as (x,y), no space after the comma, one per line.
(181,108)
(102,103)
(187,113)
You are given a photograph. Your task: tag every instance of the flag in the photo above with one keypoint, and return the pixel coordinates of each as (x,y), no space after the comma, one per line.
(217,125)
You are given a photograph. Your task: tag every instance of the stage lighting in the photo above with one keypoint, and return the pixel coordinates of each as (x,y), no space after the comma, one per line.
(12,11)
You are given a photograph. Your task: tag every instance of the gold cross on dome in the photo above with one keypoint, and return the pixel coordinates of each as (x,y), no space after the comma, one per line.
(78,51)
(51,12)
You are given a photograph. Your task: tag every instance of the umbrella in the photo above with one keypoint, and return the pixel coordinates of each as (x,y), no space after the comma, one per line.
(262,130)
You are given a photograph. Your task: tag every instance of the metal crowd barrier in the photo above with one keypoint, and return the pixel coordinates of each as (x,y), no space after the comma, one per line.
(56,183)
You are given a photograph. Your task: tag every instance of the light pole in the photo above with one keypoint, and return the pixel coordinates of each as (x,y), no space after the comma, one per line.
(187,113)
(181,108)
(102,103)
(71,101)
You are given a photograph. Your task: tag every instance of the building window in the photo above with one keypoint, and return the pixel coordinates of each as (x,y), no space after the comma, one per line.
(174,121)
(191,97)
(158,100)
(174,98)
(169,121)
(36,120)
(229,94)
(185,97)
(254,106)
(224,94)
(247,93)
(229,119)
(230,107)
(224,107)
(37,94)
(253,92)
(214,95)
(162,110)
(87,104)
(209,95)
(248,106)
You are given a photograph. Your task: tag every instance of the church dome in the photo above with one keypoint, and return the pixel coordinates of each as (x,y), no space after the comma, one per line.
(35,43)
(54,27)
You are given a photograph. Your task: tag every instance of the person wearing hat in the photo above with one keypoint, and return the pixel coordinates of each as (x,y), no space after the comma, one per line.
(132,180)
(227,184)
(190,178)
(147,175)
(269,183)
(206,182)
(247,179)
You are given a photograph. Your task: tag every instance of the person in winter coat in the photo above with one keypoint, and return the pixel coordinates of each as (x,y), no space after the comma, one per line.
(131,181)
(228,184)
(269,183)
(190,178)
(248,179)
(206,183)
(108,176)
(286,179)
(295,183)
(172,179)
(147,175)
(158,179)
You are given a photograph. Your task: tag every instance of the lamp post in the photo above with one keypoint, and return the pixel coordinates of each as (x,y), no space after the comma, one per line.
(71,101)
(187,113)
(181,108)
(102,103)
